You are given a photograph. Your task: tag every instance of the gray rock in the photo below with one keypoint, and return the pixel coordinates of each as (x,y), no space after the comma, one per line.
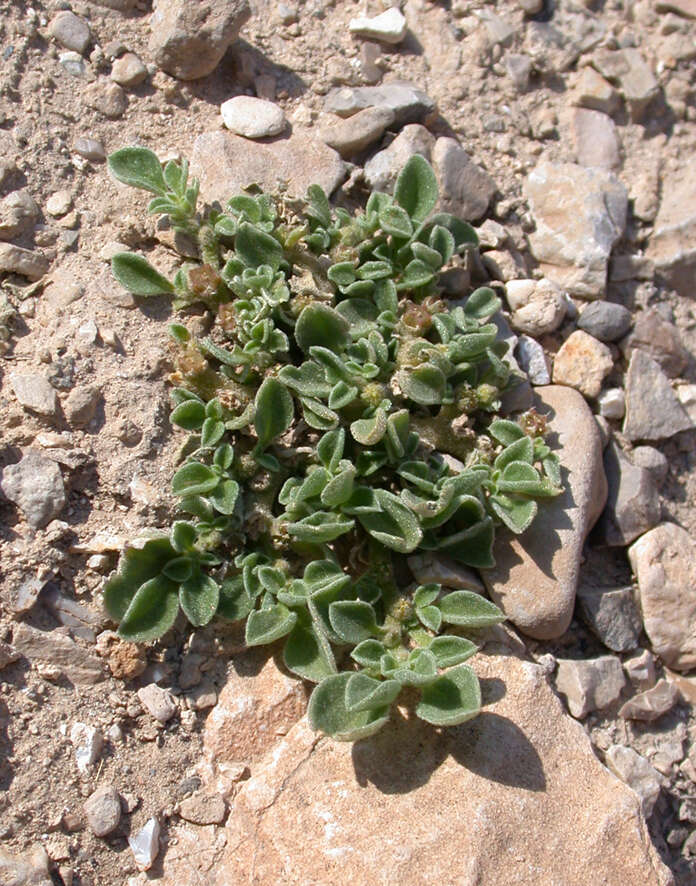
(536,574)
(253,117)
(388,27)
(658,338)
(653,461)
(353,134)
(103,810)
(203,808)
(519,69)
(8,654)
(537,306)
(431,568)
(594,92)
(188,40)
(504,264)
(589,684)
(128,70)
(637,773)
(382,169)
(653,411)
(532,360)
(612,614)
(686,394)
(499,31)
(35,485)
(158,702)
(605,320)
(612,404)
(664,563)
(34,392)
(595,139)
(81,404)
(636,80)
(580,214)
(90,149)
(18,212)
(28,869)
(633,502)
(70,31)
(583,363)
(465,188)
(59,203)
(25,262)
(672,245)
(651,704)
(225,163)
(106,97)
(56,648)
(409,104)
(640,669)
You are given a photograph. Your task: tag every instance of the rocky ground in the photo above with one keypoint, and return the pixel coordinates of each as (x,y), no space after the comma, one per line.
(566,133)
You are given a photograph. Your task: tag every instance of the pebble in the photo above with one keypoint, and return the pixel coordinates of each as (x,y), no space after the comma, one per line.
(35,485)
(537,306)
(605,320)
(81,404)
(18,212)
(353,134)
(252,117)
(653,411)
(519,69)
(72,63)
(653,461)
(660,339)
(589,684)
(370,58)
(145,844)
(388,27)
(70,31)
(383,168)
(531,7)
(595,139)
(672,244)
(640,669)
(203,808)
(8,654)
(580,214)
(532,360)
(637,773)
(633,502)
(437,569)
(583,363)
(158,702)
(636,81)
(499,31)
(612,404)
(664,564)
(59,203)
(612,614)
(35,393)
(90,149)
(128,70)
(25,262)
(28,869)
(87,742)
(594,92)
(108,98)
(103,810)
(651,704)
(465,188)
(409,103)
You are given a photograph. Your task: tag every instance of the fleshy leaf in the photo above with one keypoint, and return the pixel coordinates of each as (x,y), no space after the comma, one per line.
(194,478)
(308,654)
(416,188)
(469,610)
(137,275)
(151,612)
(453,698)
(275,411)
(353,620)
(449,650)
(364,693)
(321,325)
(235,602)
(328,712)
(267,625)
(139,168)
(257,248)
(137,565)
(199,597)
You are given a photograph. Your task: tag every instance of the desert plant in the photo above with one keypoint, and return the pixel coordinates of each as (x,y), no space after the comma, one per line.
(342,413)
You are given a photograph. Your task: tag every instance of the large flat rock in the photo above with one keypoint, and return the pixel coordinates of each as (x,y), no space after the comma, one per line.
(536,574)
(514,797)
(225,163)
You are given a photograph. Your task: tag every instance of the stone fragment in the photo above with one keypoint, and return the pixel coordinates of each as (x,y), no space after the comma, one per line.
(81,404)
(145,844)
(465,188)
(612,404)
(35,485)
(388,27)
(638,83)
(18,212)
(252,117)
(409,104)
(633,502)
(90,149)
(532,360)
(382,169)
(106,97)
(331,812)
(651,704)
(59,203)
(589,684)
(672,244)
(637,773)
(203,808)
(519,69)
(537,306)
(536,574)
(583,363)
(612,614)
(103,810)
(225,163)
(8,654)
(257,703)
(432,568)
(56,648)
(499,31)
(605,320)
(72,63)
(630,267)
(664,563)
(28,869)
(35,393)
(504,264)
(686,394)
(128,70)
(25,262)
(126,660)
(188,40)
(70,31)
(594,92)
(653,461)
(685,8)
(353,134)
(531,7)
(87,742)
(640,669)
(653,411)
(658,338)
(158,702)
(595,139)
(580,214)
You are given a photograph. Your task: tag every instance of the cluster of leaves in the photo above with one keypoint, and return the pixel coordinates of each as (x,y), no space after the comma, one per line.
(340,413)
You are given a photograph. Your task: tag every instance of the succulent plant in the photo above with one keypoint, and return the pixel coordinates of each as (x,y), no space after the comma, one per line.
(341,413)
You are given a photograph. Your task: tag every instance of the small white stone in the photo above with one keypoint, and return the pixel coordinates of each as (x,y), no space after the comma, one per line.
(389,27)
(612,403)
(158,702)
(252,117)
(59,204)
(145,844)
(87,741)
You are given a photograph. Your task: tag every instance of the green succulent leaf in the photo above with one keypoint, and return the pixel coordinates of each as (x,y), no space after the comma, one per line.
(199,596)
(467,609)
(321,325)
(139,168)
(267,625)
(234,602)
(329,713)
(256,248)
(189,415)
(416,188)
(320,527)
(370,431)
(137,565)
(194,478)
(353,620)
(482,304)
(449,650)
(308,653)
(453,698)
(394,525)
(364,693)
(424,385)
(152,611)
(275,411)
(369,653)
(137,275)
